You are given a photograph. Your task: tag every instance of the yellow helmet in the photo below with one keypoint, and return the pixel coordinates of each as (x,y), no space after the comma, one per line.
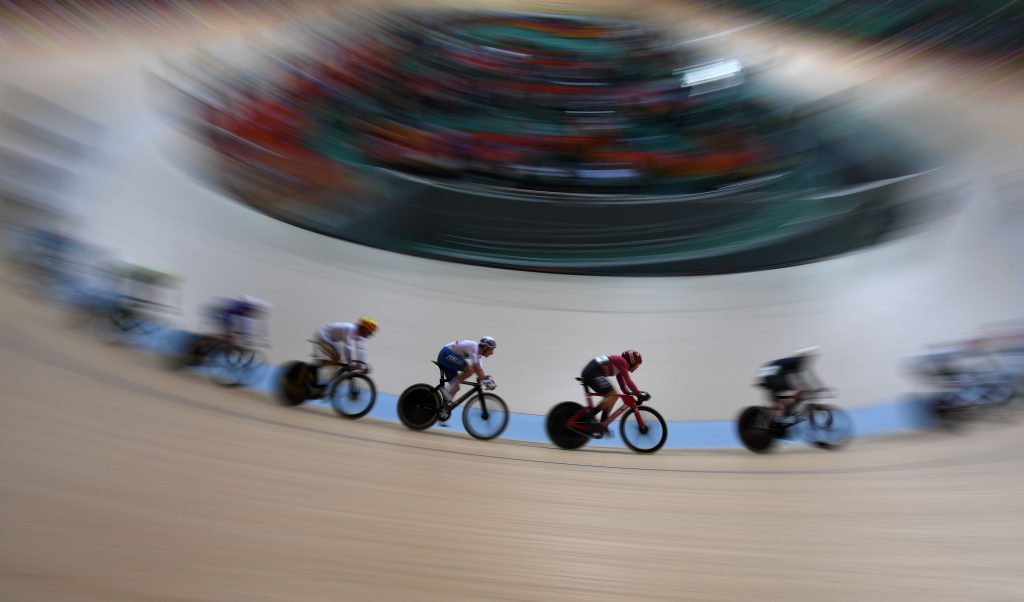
(368,323)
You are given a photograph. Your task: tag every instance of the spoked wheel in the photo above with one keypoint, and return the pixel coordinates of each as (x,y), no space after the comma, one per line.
(645,439)
(1000,395)
(485,416)
(130,321)
(294,387)
(114,326)
(124,319)
(753,430)
(352,395)
(233,365)
(417,407)
(558,426)
(828,426)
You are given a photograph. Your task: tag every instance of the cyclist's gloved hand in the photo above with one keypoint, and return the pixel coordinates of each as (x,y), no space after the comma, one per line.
(642,396)
(488,383)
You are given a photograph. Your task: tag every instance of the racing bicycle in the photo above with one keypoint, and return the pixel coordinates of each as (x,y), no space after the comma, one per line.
(823,425)
(643,429)
(485,415)
(350,391)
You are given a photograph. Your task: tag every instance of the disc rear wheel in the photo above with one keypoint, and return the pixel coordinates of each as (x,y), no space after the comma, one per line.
(558,428)
(753,430)
(417,407)
(294,389)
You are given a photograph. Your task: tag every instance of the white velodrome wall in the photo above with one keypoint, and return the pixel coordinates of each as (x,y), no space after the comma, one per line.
(702,337)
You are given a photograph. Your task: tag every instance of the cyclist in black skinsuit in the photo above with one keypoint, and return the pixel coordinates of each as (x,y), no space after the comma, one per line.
(788,379)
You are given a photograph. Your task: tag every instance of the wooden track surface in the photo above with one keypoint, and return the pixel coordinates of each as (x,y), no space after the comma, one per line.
(122,481)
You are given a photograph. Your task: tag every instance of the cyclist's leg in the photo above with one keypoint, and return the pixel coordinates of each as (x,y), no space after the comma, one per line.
(593,378)
(776,387)
(454,368)
(607,403)
(326,354)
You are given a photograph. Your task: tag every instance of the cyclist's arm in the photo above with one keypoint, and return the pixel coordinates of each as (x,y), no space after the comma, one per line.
(626,383)
(227,324)
(325,333)
(358,345)
(476,362)
(256,329)
(810,380)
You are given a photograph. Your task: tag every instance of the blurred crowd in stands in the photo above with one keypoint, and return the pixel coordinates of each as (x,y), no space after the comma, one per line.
(519,101)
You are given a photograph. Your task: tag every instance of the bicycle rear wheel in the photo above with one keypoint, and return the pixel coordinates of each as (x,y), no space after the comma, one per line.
(752,431)
(485,416)
(830,427)
(417,407)
(293,387)
(647,439)
(558,426)
(352,395)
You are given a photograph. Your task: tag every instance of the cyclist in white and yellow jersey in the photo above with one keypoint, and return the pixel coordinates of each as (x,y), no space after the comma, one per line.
(344,343)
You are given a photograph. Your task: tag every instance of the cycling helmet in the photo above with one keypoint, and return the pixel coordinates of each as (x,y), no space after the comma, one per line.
(633,358)
(488,342)
(368,323)
(257,303)
(808,352)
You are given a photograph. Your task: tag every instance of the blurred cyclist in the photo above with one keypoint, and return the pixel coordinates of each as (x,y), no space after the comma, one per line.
(141,286)
(235,317)
(595,375)
(344,343)
(460,359)
(787,380)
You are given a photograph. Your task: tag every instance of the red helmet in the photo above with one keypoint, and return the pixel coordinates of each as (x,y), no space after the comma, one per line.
(633,358)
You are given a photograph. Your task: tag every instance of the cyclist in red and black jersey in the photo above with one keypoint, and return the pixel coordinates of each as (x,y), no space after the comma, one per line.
(595,375)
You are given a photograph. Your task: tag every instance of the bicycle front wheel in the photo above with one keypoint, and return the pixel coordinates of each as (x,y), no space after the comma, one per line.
(830,428)
(485,416)
(233,365)
(647,438)
(353,395)
(417,407)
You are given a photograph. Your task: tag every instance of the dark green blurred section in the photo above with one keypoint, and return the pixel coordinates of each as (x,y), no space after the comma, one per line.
(979,25)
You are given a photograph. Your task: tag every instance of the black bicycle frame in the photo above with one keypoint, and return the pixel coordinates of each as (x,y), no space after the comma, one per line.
(475,389)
